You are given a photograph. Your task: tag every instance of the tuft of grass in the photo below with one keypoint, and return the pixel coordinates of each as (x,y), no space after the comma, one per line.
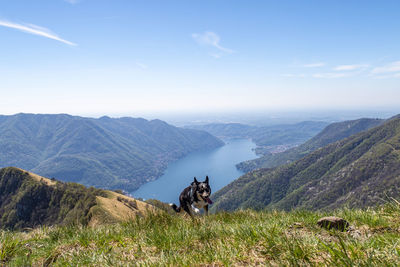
(10,245)
(241,238)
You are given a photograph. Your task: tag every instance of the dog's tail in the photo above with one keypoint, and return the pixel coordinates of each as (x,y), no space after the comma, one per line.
(175,207)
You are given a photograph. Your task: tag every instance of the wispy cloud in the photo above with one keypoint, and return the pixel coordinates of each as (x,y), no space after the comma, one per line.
(333,75)
(389,71)
(387,76)
(290,75)
(351,67)
(216,55)
(322,75)
(210,39)
(389,68)
(72,1)
(142,66)
(34,29)
(314,65)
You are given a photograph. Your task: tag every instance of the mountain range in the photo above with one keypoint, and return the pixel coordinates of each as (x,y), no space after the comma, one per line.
(121,153)
(267,138)
(358,171)
(332,133)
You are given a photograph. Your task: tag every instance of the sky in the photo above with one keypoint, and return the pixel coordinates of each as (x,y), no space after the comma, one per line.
(110,57)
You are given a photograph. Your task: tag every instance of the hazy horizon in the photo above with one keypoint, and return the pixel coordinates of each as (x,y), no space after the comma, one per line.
(251,117)
(155,57)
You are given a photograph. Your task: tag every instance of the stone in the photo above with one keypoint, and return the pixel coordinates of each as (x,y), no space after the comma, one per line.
(333,223)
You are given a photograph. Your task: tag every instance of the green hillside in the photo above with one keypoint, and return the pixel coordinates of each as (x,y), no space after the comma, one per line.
(266,136)
(242,238)
(332,133)
(109,153)
(28,200)
(359,171)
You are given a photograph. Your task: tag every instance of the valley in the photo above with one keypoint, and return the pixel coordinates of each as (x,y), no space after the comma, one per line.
(108,153)
(359,171)
(272,138)
(218,164)
(268,215)
(330,134)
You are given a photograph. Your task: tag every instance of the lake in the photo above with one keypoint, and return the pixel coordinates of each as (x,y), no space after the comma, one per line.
(218,164)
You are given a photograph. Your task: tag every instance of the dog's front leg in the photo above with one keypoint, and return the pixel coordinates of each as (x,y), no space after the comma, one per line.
(196,210)
(206,209)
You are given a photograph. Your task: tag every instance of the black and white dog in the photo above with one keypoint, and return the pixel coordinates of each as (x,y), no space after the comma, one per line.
(194,197)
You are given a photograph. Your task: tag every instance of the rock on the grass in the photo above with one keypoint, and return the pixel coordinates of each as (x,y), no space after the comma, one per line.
(333,223)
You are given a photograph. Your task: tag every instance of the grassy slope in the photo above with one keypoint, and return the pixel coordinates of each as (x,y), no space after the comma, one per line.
(29,200)
(359,171)
(332,133)
(115,207)
(240,238)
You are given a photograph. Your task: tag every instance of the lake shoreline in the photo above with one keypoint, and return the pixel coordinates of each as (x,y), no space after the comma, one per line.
(219,164)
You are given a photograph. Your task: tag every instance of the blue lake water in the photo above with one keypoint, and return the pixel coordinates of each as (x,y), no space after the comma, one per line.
(218,164)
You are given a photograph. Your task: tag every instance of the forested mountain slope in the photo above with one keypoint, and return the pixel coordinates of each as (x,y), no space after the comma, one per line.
(109,153)
(359,171)
(29,200)
(266,137)
(332,133)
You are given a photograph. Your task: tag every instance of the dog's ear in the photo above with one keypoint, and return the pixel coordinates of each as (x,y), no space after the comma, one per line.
(206,181)
(195,180)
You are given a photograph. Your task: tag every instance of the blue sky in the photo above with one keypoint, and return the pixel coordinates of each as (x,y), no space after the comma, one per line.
(127,57)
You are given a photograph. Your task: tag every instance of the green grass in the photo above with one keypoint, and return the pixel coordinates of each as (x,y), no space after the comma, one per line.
(242,238)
